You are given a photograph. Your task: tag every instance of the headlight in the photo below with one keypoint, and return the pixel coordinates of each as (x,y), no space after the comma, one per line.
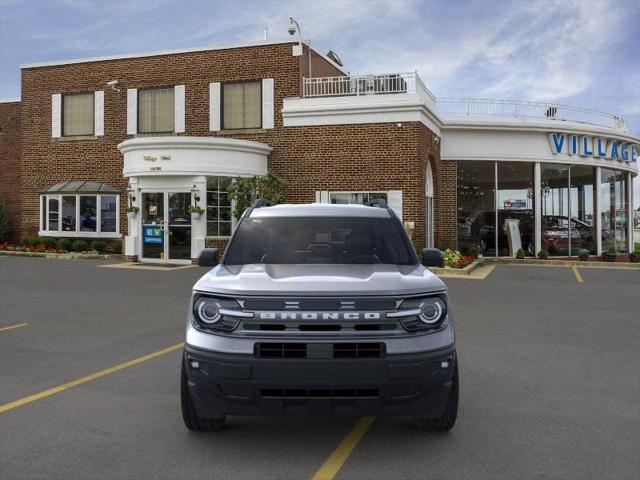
(432,310)
(208,310)
(217,313)
(421,313)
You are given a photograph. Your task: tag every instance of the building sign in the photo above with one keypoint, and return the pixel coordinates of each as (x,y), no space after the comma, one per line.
(152,235)
(515,204)
(589,146)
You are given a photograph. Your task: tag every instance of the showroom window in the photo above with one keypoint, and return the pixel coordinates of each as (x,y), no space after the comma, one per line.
(78,114)
(241,105)
(358,198)
(71,209)
(156,110)
(219,217)
(477,206)
(614,209)
(516,222)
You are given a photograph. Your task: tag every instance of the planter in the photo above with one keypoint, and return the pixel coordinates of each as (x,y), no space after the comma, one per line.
(131,216)
(195,215)
(609,257)
(634,257)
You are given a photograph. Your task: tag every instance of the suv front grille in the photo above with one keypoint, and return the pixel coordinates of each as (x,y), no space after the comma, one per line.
(320,304)
(320,393)
(319,350)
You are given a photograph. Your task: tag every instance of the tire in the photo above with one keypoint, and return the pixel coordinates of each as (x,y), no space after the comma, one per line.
(191,419)
(445,422)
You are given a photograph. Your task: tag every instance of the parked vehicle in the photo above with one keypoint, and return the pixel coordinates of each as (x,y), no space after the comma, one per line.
(320,310)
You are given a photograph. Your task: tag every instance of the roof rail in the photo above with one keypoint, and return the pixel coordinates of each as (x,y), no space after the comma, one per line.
(262,202)
(377,202)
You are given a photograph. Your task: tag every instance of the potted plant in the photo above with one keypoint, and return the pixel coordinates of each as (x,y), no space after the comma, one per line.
(520,254)
(131,212)
(543,254)
(583,255)
(610,255)
(635,255)
(195,211)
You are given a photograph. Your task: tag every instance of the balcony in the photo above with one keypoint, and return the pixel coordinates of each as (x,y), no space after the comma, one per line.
(396,84)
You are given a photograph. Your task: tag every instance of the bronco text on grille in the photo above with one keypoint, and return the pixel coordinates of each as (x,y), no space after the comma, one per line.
(339,310)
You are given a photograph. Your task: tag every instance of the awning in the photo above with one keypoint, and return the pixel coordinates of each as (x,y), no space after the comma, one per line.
(81,186)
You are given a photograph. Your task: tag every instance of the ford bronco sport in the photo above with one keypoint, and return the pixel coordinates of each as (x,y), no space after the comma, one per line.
(319,310)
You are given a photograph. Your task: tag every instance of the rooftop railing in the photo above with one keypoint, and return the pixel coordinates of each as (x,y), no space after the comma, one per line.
(401,83)
(357,85)
(528,109)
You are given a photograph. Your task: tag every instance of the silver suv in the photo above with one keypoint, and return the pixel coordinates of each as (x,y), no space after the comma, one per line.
(319,310)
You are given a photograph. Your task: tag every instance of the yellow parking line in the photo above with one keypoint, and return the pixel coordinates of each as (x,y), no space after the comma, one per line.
(330,468)
(88,378)
(11,327)
(577,274)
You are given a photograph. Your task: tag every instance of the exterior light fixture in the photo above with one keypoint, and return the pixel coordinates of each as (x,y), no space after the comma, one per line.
(195,194)
(132,197)
(294,27)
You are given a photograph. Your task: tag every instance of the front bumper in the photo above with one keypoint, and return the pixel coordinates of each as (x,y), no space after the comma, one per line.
(396,384)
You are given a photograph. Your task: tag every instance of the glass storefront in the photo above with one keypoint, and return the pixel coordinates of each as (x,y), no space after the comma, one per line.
(496,204)
(516,220)
(614,209)
(477,206)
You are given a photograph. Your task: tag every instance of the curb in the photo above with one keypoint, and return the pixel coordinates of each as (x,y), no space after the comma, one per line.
(468,270)
(565,263)
(63,256)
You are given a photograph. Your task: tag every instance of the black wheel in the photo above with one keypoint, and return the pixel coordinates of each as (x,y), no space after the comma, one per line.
(191,419)
(445,422)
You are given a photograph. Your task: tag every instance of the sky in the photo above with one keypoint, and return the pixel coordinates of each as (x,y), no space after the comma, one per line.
(584,53)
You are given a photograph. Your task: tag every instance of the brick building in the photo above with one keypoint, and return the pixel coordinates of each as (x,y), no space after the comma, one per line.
(165,130)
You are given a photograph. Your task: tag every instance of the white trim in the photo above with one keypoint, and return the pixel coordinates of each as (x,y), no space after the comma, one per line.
(179,100)
(98,113)
(630,219)
(171,52)
(10,100)
(132,111)
(78,233)
(56,115)
(268,114)
(214,107)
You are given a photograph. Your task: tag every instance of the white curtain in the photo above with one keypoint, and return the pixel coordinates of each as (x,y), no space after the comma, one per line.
(241,105)
(156,110)
(77,110)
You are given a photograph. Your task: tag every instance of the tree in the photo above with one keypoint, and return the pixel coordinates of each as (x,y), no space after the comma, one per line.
(4,222)
(247,189)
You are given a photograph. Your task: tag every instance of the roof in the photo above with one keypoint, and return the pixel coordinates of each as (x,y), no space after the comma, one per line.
(81,186)
(173,52)
(320,210)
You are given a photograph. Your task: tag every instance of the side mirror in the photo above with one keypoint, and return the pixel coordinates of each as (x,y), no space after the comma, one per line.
(432,257)
(208,257)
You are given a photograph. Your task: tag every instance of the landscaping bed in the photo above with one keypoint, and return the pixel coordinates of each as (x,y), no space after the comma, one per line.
(63,248)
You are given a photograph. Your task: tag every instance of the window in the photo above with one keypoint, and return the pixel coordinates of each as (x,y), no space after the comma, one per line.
(477,206)
(515,206)
(614,209)
(218,207)
(156,110)
(80,215)
(242,105)
(78,114)
(320,240)
(358,198)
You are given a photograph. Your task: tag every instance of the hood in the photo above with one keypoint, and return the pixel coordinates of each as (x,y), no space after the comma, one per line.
(338,280)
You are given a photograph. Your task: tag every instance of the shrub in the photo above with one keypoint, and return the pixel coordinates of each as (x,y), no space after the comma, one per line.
(543,254)
(520,253)
(452,258)
(474,251)
(47,242)
(583,255)
(115,246)
(611,250)
(28,241)
(64,244)
(97,245)
(4,222)
(634,257)
(79,246)
(247,189)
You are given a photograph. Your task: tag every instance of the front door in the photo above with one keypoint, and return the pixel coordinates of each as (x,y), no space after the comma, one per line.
(166,227)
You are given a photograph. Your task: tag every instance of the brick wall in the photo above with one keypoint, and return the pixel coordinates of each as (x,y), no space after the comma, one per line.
(340,157)
(10,164)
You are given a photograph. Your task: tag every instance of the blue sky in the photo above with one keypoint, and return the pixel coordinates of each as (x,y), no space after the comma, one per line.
(579,52)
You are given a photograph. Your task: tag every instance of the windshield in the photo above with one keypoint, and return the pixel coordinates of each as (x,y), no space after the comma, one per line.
(307,240)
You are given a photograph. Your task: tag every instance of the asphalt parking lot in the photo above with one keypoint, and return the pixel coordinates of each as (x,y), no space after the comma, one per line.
(549,371)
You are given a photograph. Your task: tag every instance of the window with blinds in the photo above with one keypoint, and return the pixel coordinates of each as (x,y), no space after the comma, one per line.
(156,110)
(77,114)
(241,105)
